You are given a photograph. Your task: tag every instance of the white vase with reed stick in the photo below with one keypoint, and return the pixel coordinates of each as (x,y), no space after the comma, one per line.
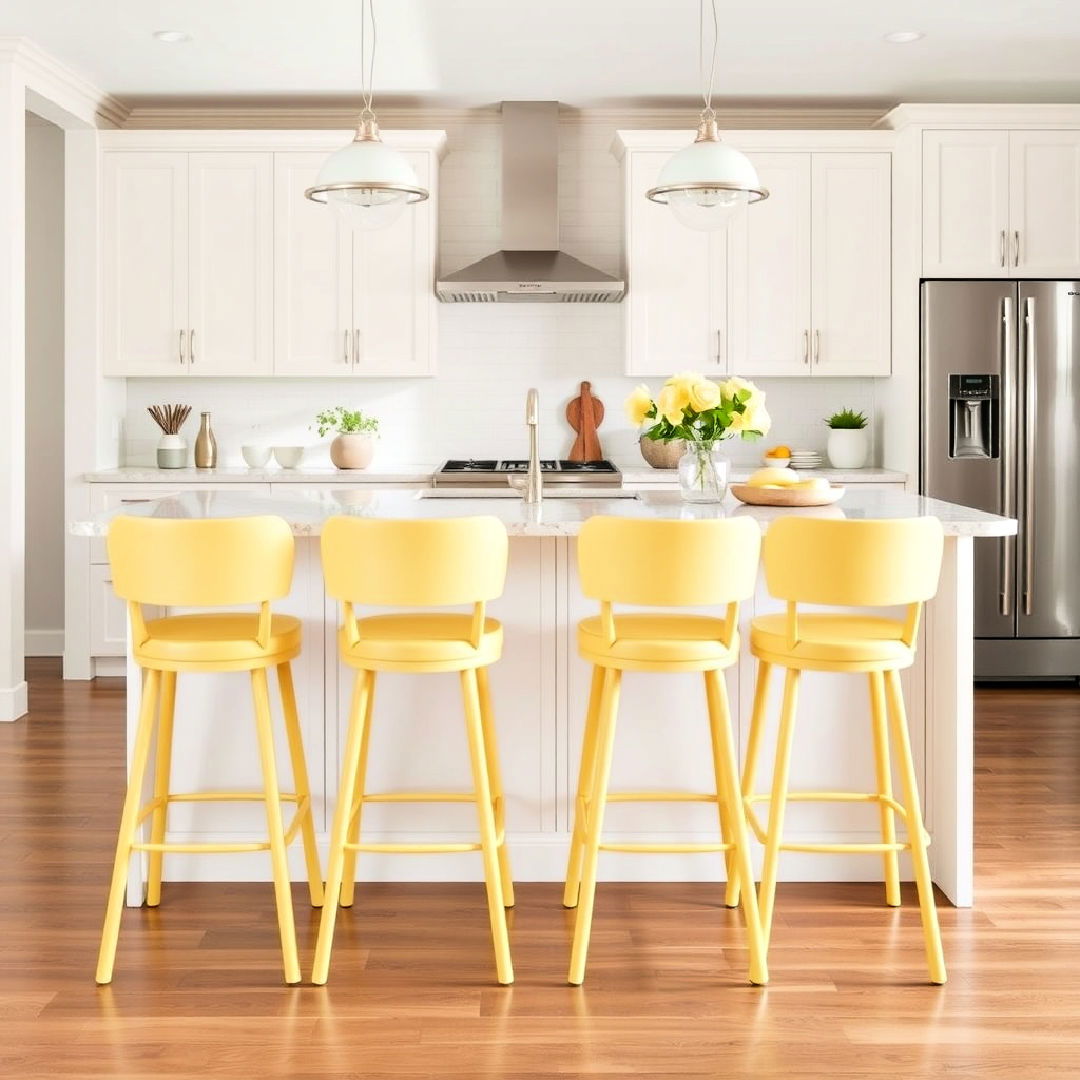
(172,449)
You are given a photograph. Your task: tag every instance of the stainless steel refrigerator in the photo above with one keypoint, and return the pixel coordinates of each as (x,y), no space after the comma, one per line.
(1001,432)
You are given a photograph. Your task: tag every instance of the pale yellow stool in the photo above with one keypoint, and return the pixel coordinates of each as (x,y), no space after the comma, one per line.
(860,564)
(418,564)
(222,563)
(665,564)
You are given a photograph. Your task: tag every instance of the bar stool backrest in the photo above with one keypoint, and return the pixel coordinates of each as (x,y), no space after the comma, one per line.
(388,563)
(668,563)
(204,563)
(853,563)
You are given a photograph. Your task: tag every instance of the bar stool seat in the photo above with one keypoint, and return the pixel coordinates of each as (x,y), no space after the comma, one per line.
(218,639)
(833,642)
(429,641)
(657,642)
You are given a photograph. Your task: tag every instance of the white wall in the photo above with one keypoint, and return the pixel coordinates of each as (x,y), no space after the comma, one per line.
(44,387)
(489,354)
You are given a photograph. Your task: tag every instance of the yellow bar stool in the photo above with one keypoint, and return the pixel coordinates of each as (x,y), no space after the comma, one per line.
(209,564)
(665,564)
(421,564)
(860,564)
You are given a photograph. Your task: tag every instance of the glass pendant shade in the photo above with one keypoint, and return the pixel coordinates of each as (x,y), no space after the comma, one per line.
(367,182)
(707,183)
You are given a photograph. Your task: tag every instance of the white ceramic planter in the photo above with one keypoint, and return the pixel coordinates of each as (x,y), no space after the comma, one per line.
(352,451)
(848,448)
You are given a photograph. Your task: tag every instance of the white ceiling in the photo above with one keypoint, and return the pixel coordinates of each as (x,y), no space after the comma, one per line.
(577,51)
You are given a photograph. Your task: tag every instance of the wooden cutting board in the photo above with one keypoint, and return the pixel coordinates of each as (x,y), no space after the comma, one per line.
(585,414)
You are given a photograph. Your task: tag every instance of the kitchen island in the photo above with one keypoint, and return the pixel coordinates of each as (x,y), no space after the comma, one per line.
(540,689)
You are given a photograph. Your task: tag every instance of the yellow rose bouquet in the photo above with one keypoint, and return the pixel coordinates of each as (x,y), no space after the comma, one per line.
(700,412)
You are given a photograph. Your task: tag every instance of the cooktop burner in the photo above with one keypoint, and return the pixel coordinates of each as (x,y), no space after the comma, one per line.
(475,470)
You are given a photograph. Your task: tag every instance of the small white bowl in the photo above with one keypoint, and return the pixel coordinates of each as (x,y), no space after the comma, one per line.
(255,457)
(288,457)
(778,462)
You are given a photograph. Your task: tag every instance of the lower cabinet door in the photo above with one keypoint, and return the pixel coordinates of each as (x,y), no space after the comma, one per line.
(108,615)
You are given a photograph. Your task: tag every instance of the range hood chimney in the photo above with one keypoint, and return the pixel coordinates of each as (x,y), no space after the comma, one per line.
(530,267)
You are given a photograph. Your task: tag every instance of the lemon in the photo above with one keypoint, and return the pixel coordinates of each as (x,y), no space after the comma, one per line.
(773,477)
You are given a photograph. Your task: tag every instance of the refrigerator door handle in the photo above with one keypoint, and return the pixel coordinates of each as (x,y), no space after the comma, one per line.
(1030,392)
(1008,454)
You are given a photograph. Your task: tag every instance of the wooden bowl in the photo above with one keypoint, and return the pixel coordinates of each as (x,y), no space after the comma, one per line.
(759,496)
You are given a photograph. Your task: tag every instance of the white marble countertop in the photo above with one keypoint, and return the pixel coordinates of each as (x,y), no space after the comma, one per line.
(305,511)
(638,473)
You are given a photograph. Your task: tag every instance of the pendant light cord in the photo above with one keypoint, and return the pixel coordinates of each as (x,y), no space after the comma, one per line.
(367,66)
(707,83)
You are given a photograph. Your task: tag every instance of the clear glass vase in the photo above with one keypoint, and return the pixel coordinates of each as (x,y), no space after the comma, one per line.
(703,473)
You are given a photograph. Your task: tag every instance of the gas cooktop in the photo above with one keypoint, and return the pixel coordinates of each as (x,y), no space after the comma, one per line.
(494,471)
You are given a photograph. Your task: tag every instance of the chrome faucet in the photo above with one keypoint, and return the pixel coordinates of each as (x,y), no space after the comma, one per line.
(533,491)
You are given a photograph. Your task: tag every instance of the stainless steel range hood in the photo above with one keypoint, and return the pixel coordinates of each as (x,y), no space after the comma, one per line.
(530,268)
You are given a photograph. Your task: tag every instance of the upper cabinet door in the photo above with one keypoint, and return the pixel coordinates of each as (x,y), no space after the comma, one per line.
(145,263)
(770,272)
(851,271)
(671,322)
(966,204)
(1044,203)
(394,289)
(231,263)
(312,275)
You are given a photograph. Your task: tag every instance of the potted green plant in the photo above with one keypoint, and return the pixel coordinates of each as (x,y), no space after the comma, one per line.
(354,445)
(700,413)
(849,439)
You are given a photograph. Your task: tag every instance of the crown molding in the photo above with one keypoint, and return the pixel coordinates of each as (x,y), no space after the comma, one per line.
(975,116)
(262,139)
(57,83)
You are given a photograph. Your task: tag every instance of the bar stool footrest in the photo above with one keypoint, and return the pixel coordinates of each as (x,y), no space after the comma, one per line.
(667,849)
(415,849)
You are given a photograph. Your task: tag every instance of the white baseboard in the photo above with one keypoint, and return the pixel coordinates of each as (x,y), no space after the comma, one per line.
(13,702)
(44,642)
(109,665)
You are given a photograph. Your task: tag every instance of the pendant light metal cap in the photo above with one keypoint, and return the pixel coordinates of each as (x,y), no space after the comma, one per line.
(369,164)
(708,164)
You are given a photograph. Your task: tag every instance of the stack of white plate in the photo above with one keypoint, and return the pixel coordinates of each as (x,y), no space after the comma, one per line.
(805,459)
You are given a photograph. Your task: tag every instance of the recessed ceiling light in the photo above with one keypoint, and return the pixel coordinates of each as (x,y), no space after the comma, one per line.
(172,37)
(904,37)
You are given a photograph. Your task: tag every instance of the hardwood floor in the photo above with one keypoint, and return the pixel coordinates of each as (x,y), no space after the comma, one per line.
(412,993)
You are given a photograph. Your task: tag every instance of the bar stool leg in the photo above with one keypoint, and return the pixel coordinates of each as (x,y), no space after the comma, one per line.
(585,786)
(605,744)
(161,786)
(753,750)
(339,832)
(732,809)
(348,873)
(126,834)
(275,826)
(778,801)
(489,842)
(884,786)
(491,753)
(935,958)
(300,780)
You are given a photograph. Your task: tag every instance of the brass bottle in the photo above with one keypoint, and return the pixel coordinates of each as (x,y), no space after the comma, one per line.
(205,445)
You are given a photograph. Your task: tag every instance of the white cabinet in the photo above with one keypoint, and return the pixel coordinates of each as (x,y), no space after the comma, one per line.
(144,231)
(187,263)
(798,285)
(349,302)
(1001,203)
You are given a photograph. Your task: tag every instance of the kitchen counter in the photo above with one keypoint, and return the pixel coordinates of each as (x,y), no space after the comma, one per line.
(540,689)
(555,516)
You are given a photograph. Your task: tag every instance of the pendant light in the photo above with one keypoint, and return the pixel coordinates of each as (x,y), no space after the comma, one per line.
(366,182)
(707,183)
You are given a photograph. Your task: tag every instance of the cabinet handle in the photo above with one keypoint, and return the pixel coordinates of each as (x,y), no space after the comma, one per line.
(806,346)
(1003,247)
(346,352)
(719,337)
(817,346)
(181,346)
(191,350)
(356,347)
(1016,248)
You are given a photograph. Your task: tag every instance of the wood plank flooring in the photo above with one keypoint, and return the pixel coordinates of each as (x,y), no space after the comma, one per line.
(198,993)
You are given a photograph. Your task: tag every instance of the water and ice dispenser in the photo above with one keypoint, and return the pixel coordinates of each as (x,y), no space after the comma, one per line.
(974,416)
